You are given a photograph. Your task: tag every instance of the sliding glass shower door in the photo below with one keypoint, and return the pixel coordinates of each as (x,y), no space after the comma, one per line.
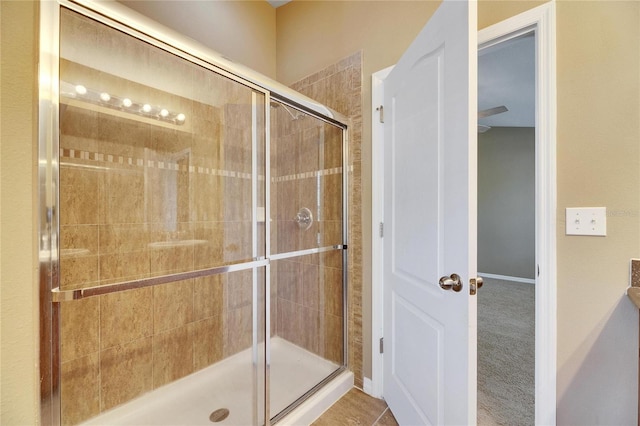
(162,250)
(193,237)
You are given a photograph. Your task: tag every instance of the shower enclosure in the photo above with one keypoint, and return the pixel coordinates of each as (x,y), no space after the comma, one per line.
(193,230)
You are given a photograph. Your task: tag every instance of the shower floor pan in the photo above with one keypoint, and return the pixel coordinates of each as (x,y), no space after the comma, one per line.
(225,385)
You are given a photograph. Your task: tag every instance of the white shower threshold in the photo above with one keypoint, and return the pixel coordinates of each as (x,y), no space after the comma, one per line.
(229,384)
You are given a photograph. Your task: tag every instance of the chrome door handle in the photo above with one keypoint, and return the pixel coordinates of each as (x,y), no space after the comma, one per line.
(452,282)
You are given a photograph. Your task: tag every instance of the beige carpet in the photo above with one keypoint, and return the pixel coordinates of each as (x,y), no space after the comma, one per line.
(506,357)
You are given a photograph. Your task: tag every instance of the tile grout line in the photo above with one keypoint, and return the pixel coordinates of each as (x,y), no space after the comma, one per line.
(380,416)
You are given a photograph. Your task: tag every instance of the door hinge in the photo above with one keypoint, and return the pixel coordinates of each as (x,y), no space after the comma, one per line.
(381,110)
(382,345)
(381,229)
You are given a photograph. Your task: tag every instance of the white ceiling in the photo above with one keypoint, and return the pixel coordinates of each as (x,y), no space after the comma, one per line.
(278,3)
(506,76)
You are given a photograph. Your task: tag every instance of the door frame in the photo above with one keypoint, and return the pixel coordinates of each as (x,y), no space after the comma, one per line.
(542,20)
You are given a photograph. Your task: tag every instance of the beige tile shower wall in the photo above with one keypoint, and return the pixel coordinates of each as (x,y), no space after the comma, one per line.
(309,305)
(339,86)
(142,198)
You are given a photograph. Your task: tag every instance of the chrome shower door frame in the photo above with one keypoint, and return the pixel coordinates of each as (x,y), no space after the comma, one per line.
(48,229)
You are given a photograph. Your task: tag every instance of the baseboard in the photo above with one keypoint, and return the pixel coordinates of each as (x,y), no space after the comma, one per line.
(367,386)
(508,278)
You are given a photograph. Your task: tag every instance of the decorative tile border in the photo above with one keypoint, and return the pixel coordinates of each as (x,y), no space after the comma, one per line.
(305,175)
(163,165)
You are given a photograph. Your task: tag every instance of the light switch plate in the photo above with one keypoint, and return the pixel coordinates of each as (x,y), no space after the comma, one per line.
(586,221)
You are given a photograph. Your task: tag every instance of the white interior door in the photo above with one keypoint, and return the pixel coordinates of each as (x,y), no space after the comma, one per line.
(430,115)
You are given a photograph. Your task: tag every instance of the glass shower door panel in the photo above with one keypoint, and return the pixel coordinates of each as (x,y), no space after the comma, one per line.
(307,276)
(306,181)
(161,173)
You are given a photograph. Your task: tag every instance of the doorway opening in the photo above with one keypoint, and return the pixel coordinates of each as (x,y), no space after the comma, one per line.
(506,231)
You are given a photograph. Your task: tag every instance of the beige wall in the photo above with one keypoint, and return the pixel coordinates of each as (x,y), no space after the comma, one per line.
(224,26)
(598,164)
(18,286)
(506,202)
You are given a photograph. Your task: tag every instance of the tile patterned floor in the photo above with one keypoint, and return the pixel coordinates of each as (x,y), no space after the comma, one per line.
(357,408)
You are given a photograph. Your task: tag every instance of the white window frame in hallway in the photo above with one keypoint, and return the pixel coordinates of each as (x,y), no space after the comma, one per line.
(541,20)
